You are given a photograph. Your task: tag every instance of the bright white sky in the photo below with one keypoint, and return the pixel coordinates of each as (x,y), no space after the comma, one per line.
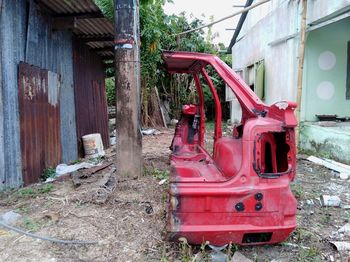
(218,9)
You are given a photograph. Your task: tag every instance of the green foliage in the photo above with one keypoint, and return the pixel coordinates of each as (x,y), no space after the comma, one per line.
(107,7)
(12,196)
(158,32)
(298,191)
(157,173)
(49,172)
(311,254)
(110,89)
(30,225)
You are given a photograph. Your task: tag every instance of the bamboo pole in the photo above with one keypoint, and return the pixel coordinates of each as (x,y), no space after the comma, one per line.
(301,66)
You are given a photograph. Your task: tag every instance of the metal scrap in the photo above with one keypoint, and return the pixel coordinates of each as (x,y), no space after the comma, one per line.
(106,186)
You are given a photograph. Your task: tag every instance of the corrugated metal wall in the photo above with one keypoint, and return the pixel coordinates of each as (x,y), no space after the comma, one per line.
(52,50)
(90,95)
(34,43)
(12,45)
(39,108)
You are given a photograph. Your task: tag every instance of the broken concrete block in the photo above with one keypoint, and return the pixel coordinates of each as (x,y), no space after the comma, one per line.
(330,201)
(239,257)
(10,217)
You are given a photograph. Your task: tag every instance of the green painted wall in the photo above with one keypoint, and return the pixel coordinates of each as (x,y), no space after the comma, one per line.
(324,84)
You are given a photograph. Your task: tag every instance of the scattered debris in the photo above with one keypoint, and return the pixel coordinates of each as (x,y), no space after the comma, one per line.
(150,131)
(344,230)
(331,164)
(106,186)
(160,108)
(330,201)
(79,176)
(344,176)
(62,169)
(287,244)
(173,122)
(10,217)
(113,140)
(239,257)
(341,245)
(310,202)
(217,255)
(148,207)
(161,182)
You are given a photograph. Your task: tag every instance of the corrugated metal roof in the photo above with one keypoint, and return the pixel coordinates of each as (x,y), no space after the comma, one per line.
(70,6)
(85,26)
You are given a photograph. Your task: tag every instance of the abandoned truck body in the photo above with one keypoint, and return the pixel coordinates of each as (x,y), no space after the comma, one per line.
(241,193)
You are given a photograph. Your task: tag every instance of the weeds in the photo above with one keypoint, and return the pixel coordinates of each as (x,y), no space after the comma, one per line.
(298,191)
(156,173)
(78,161)
(27,192)
(185,250)
(30,225)
(306,255)
(48,173)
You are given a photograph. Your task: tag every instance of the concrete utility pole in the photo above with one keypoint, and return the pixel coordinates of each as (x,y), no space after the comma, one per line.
(127,76)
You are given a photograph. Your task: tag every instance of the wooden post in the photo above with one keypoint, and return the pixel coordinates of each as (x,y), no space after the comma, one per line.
(301,65)
(127,75)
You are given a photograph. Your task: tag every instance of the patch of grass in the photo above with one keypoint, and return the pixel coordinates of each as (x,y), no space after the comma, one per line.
(30,225)
(185,250)
(298,191)
(26,192)
(49,172)
(78,161)
(157,173)
(231,249)
(29,192)
(302,235)
(95,160)
(346,216)
(160,174)
(308,255)
(45,189)
(325,216)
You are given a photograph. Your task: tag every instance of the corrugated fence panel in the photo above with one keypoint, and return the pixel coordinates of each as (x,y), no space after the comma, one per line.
(2,157)
(90,94)
(26,35)
(55,55)
(39,120)
(12,42)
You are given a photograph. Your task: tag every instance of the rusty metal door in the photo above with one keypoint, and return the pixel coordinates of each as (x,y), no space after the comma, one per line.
(39,110)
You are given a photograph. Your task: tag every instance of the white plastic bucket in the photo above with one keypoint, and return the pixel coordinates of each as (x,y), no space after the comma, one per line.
(93,145)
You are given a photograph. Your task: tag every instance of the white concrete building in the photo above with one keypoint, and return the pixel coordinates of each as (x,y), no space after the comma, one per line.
(265,54)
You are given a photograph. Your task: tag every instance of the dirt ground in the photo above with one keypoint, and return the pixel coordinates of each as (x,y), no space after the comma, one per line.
(130,226)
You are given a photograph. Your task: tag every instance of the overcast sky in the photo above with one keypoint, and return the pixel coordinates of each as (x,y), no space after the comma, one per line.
(218,8)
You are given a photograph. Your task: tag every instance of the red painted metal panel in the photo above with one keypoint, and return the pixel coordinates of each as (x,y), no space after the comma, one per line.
(39,121)
(90,94)
(241,194)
